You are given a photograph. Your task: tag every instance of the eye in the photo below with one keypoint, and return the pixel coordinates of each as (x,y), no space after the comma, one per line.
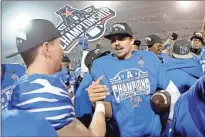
(121,38)
(112,40)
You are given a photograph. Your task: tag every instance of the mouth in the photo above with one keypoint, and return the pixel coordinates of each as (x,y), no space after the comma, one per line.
(118,48)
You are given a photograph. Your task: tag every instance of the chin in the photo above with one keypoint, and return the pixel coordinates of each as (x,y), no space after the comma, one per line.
(120,56)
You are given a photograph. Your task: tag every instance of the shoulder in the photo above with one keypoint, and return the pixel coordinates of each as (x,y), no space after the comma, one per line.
(141,52)
(103,60)
(36,82)
(147,55)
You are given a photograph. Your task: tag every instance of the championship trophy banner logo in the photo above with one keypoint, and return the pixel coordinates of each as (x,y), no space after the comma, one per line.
(89,22)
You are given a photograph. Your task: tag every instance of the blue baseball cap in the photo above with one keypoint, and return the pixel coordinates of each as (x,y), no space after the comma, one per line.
(22,123)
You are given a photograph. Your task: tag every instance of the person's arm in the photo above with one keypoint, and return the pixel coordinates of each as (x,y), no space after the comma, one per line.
(53,104)
(84,69)
(99,43)
(97,127)
(169,130)
(167,85)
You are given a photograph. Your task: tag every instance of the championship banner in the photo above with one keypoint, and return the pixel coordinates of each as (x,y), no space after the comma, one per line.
(76,23)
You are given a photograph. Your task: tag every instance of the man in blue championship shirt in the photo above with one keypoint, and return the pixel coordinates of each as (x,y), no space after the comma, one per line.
(10,73)
(130,78)
(42,94)
(189,113)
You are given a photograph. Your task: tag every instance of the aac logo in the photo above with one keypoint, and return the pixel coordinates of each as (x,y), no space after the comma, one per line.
(89,22)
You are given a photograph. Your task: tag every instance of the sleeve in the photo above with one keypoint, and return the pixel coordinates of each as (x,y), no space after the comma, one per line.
(162,81)
(82,103)
(169,130)
(84,69)
(45,100)
(191,80)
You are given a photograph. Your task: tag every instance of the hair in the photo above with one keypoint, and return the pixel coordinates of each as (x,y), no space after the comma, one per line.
(149,46)
(29,56)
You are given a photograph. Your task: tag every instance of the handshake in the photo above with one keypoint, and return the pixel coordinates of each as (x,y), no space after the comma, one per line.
(97,93)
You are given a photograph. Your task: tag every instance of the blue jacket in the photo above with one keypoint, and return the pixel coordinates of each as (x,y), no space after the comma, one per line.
(189,113)
(184,73)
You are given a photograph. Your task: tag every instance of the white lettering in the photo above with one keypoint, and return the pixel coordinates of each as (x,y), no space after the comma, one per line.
(83,25)
(87,22)
(70,36)
(75,32)
(129,74)
(65,40)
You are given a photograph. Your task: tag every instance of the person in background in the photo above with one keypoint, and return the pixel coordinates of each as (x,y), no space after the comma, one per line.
(10,73)
(83,107)
(182,69)
(197,43)
(168,45)
(189,113)
(154,44)
(136,45)
(82,103)
(197,49)
(99,43)
(64,74)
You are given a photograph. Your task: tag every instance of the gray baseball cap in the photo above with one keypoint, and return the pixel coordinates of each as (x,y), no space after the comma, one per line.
(152,39)
(34,34)
(119,28)
(197,35)
(181,49)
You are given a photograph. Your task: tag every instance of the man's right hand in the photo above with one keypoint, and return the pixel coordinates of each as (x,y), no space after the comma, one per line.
(97,92)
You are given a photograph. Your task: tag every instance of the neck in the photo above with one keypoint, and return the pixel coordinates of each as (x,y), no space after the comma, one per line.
(39,68)
(129,55)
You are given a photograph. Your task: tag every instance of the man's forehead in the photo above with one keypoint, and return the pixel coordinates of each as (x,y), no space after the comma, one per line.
(119,36)
(158,44)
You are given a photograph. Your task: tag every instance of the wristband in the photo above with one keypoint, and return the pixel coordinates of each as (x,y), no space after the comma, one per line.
(99,107)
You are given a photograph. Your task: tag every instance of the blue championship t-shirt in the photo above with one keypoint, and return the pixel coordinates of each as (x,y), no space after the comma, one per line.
(131,83)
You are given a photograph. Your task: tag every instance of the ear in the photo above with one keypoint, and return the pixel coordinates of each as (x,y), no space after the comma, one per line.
(46,49)
(132,40)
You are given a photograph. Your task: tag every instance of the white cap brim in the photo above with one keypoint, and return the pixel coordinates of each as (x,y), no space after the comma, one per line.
(188,56)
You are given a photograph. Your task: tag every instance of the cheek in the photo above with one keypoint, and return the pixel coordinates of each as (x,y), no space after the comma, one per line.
(57,53)
(113,46)
(127,46)
(156,47)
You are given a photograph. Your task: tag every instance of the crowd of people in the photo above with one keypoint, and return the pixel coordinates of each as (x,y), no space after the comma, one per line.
(109,94)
